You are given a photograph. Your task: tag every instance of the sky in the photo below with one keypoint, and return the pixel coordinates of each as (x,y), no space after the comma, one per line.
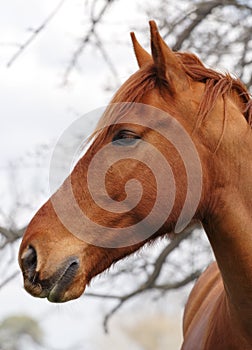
(35,106)
(36,109)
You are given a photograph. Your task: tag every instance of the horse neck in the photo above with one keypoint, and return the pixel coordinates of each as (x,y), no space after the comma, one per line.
(228,221)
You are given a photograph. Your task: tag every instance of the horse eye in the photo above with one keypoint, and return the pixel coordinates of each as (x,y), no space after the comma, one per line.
(125,138)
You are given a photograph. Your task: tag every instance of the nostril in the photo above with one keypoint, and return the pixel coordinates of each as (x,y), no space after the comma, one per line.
(29,261)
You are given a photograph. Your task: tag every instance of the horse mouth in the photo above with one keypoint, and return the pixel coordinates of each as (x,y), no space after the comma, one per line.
(55,287)
(57,291)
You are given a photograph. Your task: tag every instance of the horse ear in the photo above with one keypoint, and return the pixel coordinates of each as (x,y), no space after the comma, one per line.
(169,67)
(142,56)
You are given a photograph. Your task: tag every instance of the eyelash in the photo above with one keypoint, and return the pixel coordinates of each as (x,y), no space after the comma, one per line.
(125,138)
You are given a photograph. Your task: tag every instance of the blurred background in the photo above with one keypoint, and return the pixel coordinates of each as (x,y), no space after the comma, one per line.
(58,61)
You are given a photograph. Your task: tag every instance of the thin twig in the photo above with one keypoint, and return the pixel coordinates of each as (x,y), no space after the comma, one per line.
(162,288)
(202,11)
(179,284)
(149,283)
(8,279)
(10,235)
(34,34)
(107,59)
(103,296)
(86,39)
(110,314)
(163,255)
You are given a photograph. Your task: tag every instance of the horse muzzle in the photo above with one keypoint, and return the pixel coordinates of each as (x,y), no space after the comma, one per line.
(56,288)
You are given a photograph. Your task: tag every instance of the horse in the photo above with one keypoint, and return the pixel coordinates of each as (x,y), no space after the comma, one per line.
(173,110)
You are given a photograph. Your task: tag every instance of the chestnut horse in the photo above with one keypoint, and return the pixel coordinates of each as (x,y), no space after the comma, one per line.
(215,112)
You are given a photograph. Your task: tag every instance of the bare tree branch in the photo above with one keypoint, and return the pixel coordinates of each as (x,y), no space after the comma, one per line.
(10,236)
(176,285)
(213,29)
(86,39)
(35,33)
(203,10)
(8,279)
(149,283)
(107,58)
(164,288)
(162,257)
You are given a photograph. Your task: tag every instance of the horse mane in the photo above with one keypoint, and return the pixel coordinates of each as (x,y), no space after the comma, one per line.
(216,84)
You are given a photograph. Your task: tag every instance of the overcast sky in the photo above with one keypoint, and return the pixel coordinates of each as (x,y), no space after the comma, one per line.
(36,109)
(35,106)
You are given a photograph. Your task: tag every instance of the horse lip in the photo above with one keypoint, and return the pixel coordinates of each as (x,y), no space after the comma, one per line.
(54,287)
(65,277)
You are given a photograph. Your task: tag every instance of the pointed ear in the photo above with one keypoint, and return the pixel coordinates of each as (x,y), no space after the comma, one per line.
(169,67)
(142,56)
